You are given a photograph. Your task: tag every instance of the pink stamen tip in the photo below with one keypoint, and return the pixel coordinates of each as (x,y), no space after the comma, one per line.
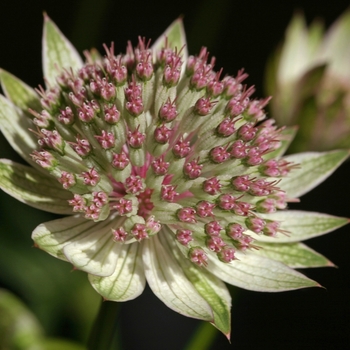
(123,206)
(120,160)
(82,147)
(247,132)
(168,111)
(184,237)
(133,184)
(159,166)
(213,228)
(92,212)
(219,154)
(78,203)
(198,256)
(67,180)
(241,183)
(235,231)
(227,127)
(162,134)
(205,209)
(182,148)
(187,215)
(99,199)
(255,224)
(111,114)
(119,234)
(66,116)
(106,140)
(212,186)
(227,254)
(136,138)
(139,231)
(215,243)
(227,202)
(91,177)
(168,193)
(192,169)
(203,106)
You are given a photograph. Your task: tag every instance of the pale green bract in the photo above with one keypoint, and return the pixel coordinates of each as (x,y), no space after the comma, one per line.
(143,205)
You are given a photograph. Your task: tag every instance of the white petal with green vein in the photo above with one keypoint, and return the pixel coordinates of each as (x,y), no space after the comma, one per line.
(95,252)
(295,255)
(52,236)
(208,286)
(258,273)
(34,188)
(19,93)
(301,225)
(314,169)
(15,125)
(169,282)
(128,280)
(58,52)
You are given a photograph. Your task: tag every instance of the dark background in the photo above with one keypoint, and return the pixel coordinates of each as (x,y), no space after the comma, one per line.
(240,34)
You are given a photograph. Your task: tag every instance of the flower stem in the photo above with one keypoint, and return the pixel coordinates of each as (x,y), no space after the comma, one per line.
(203,337)
(104,334)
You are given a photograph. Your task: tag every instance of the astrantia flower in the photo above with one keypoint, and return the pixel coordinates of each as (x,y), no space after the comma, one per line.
(169,172)
(309,78)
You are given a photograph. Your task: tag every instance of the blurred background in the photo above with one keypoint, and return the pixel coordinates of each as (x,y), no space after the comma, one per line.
(239,34)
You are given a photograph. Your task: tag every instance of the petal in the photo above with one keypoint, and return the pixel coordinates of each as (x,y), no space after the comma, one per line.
(176,36)
(208,286)
(301,225)
(128,280)
(54,235)
(314,169)
(34,188)
(258,273)
(295,255)
(70,239)
(19,93)
(58,52)
(169,283)
(15,127)
(95,251)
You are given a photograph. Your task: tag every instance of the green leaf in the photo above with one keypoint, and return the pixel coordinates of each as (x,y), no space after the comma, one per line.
(314,169)
(34,188)
(295,255)
(58,52)
(258,273)
(128,280)
(208,286)
(176,36)
(15,126)
(169,283)
(19,329)
(19,93)
(301,225)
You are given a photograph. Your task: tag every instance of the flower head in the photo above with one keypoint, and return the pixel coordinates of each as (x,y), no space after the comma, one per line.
(169,173)
(309,78)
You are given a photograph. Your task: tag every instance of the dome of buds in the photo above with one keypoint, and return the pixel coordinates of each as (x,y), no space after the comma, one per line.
(170,171)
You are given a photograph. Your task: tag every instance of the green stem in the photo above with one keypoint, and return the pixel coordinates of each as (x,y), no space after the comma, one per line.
(104,334)
(203,337)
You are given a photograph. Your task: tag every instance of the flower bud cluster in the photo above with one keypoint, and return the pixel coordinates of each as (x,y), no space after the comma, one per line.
(160,139)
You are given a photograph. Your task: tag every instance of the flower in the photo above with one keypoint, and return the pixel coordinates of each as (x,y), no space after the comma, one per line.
(309,78)
(167,172)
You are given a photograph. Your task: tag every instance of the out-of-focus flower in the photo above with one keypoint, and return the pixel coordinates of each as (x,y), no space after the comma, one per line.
(172,175)
(309,79)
